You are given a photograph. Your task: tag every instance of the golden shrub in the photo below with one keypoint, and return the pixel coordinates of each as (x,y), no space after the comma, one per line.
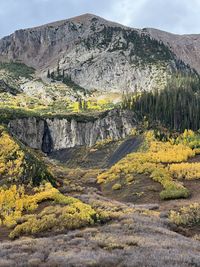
(151,162)
(189,215)
(116,187)
(188,171)
(15,203)
(56,218)
(12,158)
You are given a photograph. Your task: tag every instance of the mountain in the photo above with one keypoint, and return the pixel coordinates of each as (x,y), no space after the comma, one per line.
(98,54)
(95,177)
(185,47)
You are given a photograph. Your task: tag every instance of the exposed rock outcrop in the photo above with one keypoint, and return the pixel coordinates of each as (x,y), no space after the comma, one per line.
(54,134)
(97,54)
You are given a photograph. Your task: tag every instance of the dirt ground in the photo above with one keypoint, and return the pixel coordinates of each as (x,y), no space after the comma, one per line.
(132,239)
(143,190)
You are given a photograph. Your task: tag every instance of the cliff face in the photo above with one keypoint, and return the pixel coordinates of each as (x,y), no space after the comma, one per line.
(93,53)
(54,134)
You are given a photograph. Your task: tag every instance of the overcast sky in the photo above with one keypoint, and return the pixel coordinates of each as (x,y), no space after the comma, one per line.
(177,16)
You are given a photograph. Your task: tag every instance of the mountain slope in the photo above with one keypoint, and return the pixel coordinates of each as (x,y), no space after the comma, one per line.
(185,47)
(94,53)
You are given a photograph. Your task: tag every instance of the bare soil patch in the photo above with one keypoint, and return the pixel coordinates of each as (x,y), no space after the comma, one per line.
(141,190)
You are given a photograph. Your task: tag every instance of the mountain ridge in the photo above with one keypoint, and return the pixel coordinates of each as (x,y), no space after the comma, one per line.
(99,54)
(80,18)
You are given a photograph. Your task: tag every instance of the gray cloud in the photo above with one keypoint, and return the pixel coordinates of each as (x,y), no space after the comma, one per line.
(178,16)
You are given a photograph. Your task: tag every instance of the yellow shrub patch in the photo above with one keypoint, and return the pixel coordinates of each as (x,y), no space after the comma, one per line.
(188,171)
(11,157)
(151,162)
(16,208)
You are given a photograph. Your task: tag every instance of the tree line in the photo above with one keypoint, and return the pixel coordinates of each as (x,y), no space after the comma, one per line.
(177,106)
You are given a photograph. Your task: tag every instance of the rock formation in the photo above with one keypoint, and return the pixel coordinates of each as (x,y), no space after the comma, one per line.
(55,134)
(98,54)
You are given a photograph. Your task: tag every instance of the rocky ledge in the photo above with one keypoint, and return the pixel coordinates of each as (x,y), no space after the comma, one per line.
(50,134)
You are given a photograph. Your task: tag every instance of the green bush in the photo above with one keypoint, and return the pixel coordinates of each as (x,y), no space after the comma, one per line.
(18,69)
(189,215)
(174,193)
(116,187)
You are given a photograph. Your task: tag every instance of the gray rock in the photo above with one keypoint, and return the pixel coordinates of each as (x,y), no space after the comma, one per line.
(98,54)
(55,134)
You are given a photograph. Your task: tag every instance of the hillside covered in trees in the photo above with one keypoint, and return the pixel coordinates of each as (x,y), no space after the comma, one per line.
(177,106)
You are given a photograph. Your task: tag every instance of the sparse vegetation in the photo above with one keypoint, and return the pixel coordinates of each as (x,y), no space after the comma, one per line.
(152,162)
(189,215)
(24,106)
(102,143)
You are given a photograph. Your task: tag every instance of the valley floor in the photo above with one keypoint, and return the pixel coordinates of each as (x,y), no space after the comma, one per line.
(140,234)
(134,239)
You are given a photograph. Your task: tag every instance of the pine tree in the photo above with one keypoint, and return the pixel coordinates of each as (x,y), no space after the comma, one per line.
(53,75)
(80,104)
(58,69)
(177,106)
(48,74)
(84,105)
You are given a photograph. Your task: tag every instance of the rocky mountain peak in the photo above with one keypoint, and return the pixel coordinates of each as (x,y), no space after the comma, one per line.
(99,54)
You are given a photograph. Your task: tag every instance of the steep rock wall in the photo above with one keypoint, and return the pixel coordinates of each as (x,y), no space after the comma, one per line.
(55,134)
